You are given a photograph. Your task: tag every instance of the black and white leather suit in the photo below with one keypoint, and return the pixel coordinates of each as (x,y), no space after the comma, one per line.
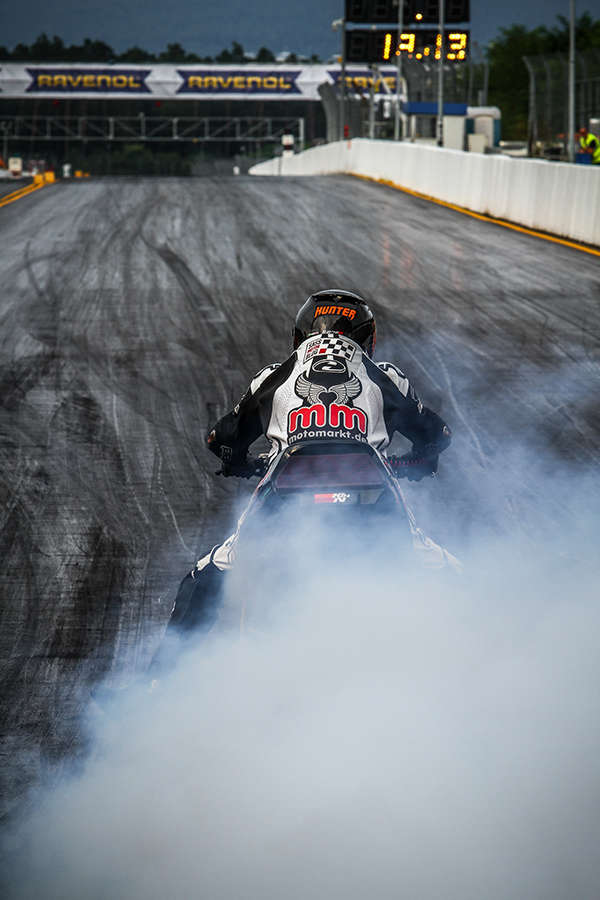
(327,388)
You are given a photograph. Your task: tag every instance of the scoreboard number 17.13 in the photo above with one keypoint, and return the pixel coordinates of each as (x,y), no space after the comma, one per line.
(366,46)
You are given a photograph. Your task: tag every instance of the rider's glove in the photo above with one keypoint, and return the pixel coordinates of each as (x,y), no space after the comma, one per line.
(242,468)
(414,466)
(237,470)
(231,467)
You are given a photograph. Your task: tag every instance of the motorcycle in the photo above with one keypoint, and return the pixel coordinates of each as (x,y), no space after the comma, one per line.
(321,505)
(322,511)
(326,472)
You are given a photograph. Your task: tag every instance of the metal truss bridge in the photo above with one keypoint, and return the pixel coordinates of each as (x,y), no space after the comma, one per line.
(134,129)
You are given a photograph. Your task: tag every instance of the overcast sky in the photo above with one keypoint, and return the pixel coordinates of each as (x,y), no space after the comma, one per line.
(206,27)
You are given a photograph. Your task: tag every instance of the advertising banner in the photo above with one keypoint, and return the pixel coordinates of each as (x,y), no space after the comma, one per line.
(188,82)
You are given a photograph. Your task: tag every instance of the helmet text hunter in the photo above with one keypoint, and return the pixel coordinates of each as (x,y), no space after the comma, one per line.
(341,311)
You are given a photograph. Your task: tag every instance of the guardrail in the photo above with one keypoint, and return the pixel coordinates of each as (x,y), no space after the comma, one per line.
(38,182)
(558,198)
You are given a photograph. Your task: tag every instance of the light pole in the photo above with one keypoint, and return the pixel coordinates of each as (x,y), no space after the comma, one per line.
(572,84)
(399,70)
(341,23)
(440,114)
(374,74)
(6,127)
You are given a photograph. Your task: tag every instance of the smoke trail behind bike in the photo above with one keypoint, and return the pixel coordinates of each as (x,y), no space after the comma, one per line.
(387,733)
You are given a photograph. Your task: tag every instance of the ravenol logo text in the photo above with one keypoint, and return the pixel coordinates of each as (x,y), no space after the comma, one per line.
(86,81)
(238,81)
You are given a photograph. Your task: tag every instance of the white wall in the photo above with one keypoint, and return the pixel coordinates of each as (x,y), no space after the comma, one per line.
(559,198)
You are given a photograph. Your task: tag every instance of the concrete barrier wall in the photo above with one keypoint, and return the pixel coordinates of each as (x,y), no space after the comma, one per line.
(555,197)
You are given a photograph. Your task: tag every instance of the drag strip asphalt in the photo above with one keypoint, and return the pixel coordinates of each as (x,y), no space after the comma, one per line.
(134,312)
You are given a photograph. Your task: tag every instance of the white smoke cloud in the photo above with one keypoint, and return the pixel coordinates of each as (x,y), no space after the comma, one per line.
(385,734)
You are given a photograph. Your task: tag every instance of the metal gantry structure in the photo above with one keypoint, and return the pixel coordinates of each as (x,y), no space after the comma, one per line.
(163,129)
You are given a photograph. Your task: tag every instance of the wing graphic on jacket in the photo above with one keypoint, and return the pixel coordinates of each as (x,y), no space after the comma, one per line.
(346,390)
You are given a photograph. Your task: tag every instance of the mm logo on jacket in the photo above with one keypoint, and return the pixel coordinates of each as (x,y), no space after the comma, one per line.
(328,392)
(333,416)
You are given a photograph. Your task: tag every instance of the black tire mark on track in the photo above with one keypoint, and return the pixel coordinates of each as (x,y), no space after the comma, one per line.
(111,379)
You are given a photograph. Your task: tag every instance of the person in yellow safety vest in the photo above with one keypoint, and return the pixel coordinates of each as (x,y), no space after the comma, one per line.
(589,143)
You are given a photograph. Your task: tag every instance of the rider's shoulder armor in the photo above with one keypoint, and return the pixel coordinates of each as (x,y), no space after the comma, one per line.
(262,376)
(395,375)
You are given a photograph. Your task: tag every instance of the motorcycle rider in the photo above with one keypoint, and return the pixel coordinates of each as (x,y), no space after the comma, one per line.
(315,393)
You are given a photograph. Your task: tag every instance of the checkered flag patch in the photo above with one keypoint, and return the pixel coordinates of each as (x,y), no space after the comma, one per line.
(330,344)
(337,346)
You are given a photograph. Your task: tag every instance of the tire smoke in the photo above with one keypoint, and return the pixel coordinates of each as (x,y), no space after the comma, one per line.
(374,733)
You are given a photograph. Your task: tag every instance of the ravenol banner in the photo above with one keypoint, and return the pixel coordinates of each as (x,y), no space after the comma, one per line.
(207,82)
(192,82)
(89,81)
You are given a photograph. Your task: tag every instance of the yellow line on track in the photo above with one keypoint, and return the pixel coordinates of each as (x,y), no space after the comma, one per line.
(22,192)
(468,212)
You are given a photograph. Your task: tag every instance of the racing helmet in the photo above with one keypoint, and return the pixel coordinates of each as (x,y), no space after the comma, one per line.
(341,311)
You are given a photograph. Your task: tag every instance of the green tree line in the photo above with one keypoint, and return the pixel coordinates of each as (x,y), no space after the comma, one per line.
(509,78)
(508,84)
(45,49)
